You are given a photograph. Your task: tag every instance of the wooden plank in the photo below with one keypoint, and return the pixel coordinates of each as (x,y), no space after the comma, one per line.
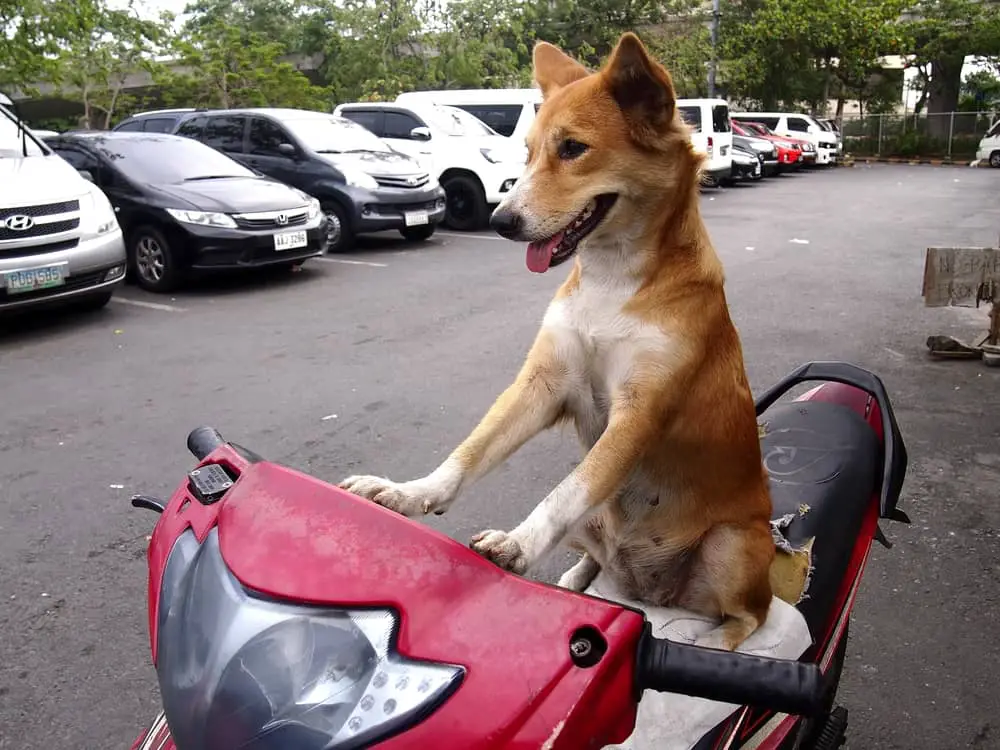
(961,276)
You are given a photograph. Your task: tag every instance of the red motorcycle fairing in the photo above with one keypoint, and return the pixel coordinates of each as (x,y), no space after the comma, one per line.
(292,537)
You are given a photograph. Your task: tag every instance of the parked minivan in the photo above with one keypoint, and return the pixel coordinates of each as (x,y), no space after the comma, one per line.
(510,112)
(362,184)
(60,240)
(712,134)
(989,146)
(797,125)
(476,165)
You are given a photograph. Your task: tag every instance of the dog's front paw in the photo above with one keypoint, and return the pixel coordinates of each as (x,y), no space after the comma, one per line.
(501,548)
(406,498)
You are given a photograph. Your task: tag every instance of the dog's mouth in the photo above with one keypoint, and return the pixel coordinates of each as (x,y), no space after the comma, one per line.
(544,254)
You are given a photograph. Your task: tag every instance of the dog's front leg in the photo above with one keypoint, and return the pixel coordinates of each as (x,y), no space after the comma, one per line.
(533,402)
(599,476)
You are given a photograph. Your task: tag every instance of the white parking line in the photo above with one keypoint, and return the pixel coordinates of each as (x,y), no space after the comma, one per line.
(148,305)
(473,236)
(353,262)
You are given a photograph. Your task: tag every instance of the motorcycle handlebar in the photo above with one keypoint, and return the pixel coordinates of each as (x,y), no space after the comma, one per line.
(790,687)
(203,440)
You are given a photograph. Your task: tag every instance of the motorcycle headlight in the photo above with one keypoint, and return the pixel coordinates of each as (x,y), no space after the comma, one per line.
(240,670)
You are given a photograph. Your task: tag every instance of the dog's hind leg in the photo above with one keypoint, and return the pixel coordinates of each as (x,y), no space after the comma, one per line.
(732,580)
(581,575)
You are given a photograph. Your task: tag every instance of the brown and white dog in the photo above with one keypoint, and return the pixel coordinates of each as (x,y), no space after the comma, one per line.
(637,349)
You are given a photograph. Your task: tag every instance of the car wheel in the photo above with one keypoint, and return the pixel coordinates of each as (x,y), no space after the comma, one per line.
(154,261)
(465,204)
(418,234)
(93,302)
(339,235)
(995,159)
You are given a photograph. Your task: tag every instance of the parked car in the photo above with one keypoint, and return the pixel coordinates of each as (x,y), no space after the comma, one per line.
(800,126)
(747,165)
(185,207)
(989,146)
(59,239)
(767,150)
(509,112)
(476,165)
(363,185)
(712,134)
(154,121)
(789,151)
(833,128)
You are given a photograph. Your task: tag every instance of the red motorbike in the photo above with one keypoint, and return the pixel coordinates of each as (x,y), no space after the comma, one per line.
(287,613)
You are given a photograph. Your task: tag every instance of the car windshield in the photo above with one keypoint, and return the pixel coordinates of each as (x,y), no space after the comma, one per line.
(12,141)
(168,159)
(455,121)
(335,135)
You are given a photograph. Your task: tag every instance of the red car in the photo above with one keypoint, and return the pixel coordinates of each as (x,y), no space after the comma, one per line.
(792,152)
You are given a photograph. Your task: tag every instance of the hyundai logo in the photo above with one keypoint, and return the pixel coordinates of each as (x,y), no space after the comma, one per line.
(282,219)
(19,223)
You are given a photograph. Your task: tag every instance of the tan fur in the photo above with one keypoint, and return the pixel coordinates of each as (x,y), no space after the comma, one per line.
(639,352)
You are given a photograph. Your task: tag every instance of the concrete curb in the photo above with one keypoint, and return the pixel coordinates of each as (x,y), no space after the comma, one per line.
(850,162)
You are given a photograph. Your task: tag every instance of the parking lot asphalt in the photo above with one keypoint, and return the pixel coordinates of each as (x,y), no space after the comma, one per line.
(381,360)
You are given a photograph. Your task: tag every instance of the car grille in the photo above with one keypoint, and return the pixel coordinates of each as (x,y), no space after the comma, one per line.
(271,219)
(47,247)
(828,145)
(49,209)
(409,182)
(36,230)
(73,283)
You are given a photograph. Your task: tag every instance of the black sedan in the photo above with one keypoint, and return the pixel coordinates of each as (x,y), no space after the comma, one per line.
(183,206)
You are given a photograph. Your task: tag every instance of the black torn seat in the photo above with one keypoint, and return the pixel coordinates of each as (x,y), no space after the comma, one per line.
(824,456)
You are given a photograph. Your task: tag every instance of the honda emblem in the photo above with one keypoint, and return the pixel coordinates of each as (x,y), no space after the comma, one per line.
(19,223)
(282,219)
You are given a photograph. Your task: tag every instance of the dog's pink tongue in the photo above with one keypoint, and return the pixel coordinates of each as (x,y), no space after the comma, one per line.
(540,253)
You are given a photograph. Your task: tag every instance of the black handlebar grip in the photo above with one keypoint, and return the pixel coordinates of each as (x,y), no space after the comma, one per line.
(787,686)
(203,440)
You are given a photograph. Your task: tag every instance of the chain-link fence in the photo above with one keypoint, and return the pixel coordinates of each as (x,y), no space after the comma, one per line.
(954,135)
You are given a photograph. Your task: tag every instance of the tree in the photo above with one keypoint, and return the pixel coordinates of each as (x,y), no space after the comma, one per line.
(30,42)
(220,61)
(943,33)
(980,92)
(107,47)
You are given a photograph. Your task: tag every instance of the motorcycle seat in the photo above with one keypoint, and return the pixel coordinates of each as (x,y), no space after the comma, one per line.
(823,462)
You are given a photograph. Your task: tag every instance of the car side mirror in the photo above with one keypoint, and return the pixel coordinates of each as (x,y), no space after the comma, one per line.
(812,129)
(287,149)
(86,174)
(421,133)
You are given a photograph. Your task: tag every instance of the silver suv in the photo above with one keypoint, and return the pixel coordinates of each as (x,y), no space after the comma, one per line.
(59,237)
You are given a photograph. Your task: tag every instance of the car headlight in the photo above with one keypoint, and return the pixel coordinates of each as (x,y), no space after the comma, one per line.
(314,209)
(237,670)
(97,215)
(202,218)
(357,178)
(504,156)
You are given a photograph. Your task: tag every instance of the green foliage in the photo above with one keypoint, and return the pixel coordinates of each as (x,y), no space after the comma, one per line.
(980,92)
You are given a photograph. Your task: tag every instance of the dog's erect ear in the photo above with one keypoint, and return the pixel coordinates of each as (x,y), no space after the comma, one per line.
(641,87)
(554,68)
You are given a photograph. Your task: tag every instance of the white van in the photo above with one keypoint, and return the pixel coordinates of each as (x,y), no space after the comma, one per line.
(989,147)
(475,165)
(59,237)
(510,112)
(797,125)
(712,134)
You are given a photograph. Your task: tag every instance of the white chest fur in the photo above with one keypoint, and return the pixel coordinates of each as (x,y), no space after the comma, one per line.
(600,344)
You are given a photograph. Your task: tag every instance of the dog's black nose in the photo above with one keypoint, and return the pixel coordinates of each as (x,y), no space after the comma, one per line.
(506,223)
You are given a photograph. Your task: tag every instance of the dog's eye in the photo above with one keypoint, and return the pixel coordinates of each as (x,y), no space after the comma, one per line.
(570,149)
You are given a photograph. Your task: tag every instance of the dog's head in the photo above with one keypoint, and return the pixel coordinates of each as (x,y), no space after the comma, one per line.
(603,152)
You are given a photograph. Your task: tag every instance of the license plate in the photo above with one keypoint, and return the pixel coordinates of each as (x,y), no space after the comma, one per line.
(30,279)
(290,240)
(415,218)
